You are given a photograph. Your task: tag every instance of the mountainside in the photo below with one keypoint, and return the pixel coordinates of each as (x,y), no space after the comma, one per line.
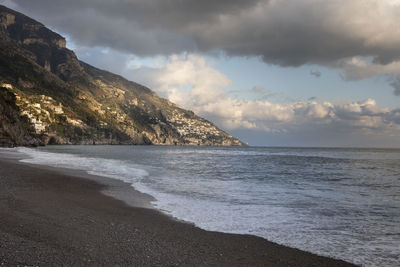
(48,96)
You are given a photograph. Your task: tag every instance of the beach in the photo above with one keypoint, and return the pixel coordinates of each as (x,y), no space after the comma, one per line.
(51,217)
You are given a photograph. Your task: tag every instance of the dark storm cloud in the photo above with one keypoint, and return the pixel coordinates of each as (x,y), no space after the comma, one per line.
(284,32)
(141,27)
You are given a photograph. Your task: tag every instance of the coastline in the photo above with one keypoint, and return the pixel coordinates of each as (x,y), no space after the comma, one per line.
(51,216)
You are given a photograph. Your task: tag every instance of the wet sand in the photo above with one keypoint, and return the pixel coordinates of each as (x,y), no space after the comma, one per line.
(50,217)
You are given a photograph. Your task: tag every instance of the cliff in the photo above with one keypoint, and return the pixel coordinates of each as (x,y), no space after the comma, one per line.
(14,129)
(57,99)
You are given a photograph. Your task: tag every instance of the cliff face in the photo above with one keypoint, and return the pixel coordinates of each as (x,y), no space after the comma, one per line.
(14,129)
(61,100)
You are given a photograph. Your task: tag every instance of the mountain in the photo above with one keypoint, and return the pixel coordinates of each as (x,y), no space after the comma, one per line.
(48,96)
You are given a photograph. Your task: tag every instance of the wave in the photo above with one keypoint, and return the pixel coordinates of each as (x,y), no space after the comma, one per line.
(112,168)
(313,200)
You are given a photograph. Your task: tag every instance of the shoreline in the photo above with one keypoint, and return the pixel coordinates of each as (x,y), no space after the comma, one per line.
(52,216)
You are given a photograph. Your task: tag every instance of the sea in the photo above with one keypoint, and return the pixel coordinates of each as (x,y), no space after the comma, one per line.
(338,202)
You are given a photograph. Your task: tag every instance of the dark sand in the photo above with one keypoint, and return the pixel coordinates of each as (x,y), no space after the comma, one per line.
(52,218)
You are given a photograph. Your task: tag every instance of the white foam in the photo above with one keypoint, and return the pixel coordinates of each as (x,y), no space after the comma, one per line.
(236,208)
(111,168)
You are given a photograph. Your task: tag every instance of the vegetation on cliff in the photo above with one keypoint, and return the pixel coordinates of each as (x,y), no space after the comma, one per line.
(58,99)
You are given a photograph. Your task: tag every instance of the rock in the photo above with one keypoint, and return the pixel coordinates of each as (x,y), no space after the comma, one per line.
(77,103)
(13,129)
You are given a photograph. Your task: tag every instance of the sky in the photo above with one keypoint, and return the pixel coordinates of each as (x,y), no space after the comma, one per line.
(270,72)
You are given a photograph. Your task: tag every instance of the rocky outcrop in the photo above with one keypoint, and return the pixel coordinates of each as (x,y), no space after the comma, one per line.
(7,20)
(15,130)
(66,101)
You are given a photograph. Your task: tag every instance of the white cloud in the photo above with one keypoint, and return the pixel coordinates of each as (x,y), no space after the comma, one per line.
(191,71)
(191,82)
(358,68)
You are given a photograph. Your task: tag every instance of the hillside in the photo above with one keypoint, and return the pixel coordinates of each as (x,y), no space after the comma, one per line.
(48,96)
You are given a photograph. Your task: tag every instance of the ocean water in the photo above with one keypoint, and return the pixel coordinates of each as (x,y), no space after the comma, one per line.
(342,203)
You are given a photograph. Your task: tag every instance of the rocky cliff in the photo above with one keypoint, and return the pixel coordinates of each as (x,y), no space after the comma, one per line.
(14,129)
(56,99)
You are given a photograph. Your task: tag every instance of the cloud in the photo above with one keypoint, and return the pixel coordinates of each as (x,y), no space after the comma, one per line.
(358,68)
(361,38)
(395,83)
(316,73)
(186,80)
(258,89)
(284,32)
(192,82)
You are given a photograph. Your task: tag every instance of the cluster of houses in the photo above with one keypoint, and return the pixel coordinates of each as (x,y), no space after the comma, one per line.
(38,110)
(193,127)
